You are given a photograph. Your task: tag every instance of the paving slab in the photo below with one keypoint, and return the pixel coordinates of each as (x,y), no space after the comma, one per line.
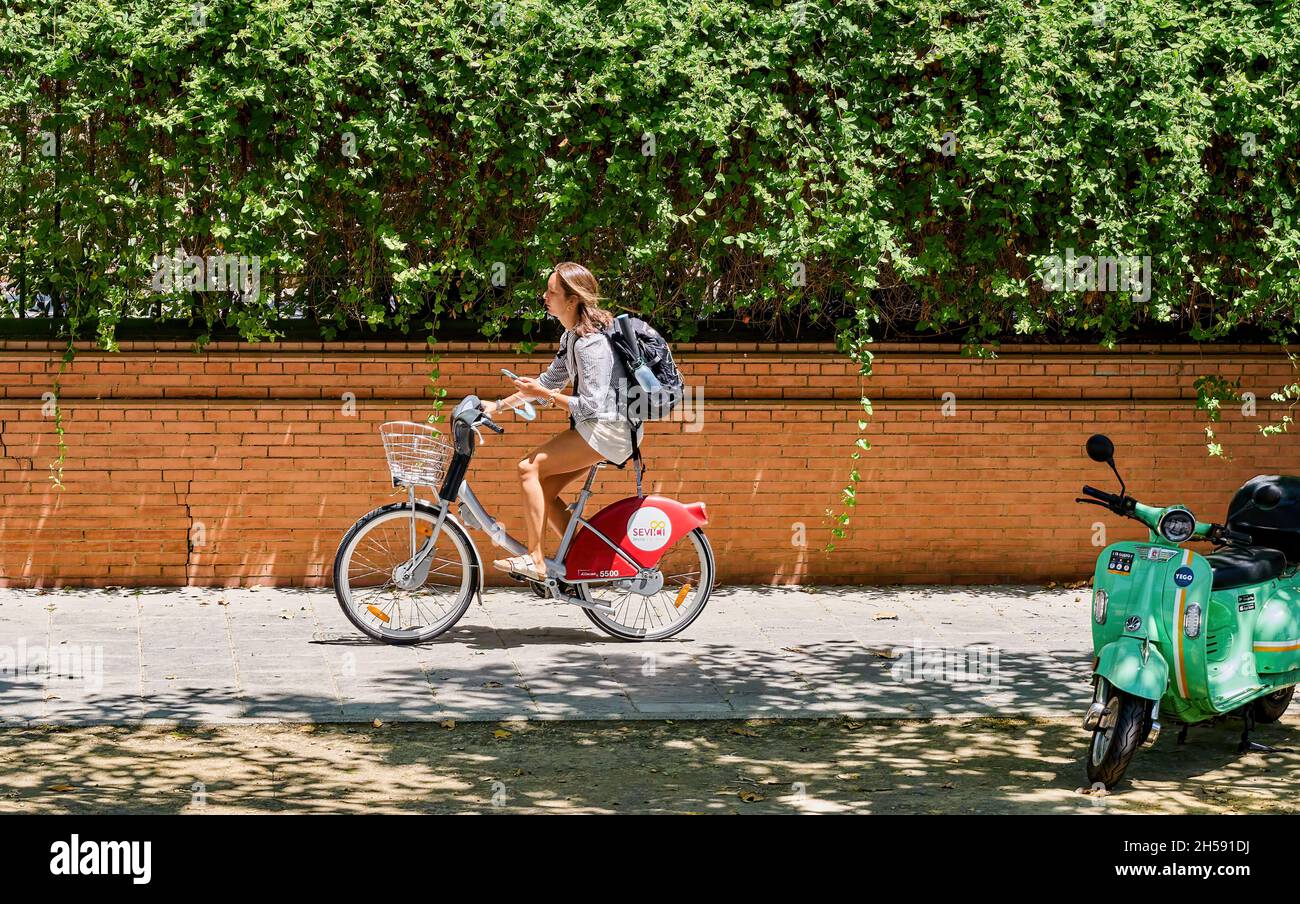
(225,655)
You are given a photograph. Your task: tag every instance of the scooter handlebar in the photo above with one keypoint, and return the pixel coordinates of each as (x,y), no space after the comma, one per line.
(1222,534)
(1108,498)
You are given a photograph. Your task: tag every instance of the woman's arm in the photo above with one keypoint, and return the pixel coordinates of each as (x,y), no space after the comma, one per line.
(595,361)
(533,389)
(544,389)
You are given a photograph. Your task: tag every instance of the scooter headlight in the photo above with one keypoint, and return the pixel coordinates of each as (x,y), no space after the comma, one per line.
(1192,620)
(1177,525)
(1099,600)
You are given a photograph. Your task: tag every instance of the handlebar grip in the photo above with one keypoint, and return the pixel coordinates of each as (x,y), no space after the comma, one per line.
(1098,494)
(1229,534)
(491,424)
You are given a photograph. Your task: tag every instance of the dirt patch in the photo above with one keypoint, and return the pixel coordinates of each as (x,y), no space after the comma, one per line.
(834,766)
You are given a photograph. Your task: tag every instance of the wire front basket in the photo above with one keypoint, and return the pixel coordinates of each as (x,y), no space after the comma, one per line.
(417,456)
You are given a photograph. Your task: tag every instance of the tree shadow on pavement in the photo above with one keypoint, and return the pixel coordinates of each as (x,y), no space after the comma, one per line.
(759,766)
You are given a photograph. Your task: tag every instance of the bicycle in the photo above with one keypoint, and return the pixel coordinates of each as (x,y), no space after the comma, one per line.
(641,568)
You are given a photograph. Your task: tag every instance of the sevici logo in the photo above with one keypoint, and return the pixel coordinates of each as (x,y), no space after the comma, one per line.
(649,528)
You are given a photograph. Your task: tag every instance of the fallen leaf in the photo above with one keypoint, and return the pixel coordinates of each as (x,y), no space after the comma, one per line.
(502,734)
(743,732)
(750,797)
(492,684)
(885,616)
(62,788)
(377,724)
(853,726)
(448,723)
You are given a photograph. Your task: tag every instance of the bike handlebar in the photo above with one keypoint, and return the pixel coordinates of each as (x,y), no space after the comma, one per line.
(491,424)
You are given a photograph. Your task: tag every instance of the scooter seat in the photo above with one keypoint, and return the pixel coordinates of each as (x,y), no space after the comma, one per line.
(1241,566)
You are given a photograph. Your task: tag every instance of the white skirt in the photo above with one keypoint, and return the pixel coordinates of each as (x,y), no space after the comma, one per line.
(612,439)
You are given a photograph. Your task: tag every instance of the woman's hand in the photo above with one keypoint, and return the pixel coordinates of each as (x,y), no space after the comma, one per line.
(532,389)
(490,408)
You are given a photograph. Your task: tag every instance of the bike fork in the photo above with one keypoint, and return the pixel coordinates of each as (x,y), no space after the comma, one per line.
(411,571)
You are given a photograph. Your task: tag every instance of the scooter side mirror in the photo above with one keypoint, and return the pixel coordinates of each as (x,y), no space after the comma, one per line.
(1101,449)
(1266,497)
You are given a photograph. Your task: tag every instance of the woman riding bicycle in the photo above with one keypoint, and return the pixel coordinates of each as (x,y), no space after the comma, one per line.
(598,430)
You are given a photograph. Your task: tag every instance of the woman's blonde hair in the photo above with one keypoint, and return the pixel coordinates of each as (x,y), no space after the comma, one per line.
(576,280)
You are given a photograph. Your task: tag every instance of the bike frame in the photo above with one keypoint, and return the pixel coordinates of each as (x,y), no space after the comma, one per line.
(475,516)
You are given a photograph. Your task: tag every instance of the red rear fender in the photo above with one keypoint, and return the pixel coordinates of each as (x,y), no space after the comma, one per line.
(644,528)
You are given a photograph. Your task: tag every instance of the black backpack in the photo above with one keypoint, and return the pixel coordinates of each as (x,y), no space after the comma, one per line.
(636,342)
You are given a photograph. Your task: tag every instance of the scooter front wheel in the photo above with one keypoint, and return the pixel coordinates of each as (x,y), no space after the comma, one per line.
(1114,744)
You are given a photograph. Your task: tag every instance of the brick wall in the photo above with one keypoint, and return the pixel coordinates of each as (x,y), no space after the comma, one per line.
(244,465)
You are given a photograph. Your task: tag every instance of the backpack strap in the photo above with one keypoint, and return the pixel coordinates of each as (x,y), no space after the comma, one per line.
(636,457)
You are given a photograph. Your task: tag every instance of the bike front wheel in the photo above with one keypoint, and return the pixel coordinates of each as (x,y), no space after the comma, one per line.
(372,592)
(688,575)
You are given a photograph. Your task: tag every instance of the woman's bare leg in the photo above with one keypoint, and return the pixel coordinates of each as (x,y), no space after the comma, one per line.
(557,515)
(561,454)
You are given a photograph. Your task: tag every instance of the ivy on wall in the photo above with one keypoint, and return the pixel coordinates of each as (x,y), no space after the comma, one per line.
(1006,168)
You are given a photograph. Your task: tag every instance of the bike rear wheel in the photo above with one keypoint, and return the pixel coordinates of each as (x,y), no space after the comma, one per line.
(688,574)
(369,591)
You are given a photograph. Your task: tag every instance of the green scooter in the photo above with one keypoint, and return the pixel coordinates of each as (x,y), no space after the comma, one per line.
(1192,637)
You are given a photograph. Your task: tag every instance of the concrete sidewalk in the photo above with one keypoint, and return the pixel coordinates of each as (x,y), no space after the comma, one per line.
(220,656)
